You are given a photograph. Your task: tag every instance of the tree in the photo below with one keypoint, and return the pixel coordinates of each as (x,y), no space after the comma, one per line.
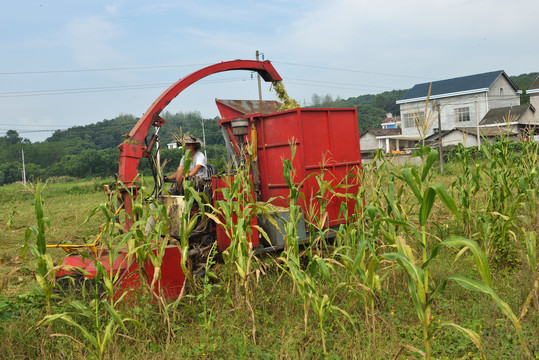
(12,172)
(316,100)
(12,138)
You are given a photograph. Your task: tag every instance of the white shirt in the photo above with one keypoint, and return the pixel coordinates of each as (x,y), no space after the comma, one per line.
(198,159)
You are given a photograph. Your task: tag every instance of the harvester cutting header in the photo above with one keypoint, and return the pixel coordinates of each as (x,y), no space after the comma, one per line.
(326,146)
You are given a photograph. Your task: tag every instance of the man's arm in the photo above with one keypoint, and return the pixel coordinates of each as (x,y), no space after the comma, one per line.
(178,175)
(195,171)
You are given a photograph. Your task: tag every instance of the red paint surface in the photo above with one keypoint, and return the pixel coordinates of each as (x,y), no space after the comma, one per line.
(223,239)
(127,272)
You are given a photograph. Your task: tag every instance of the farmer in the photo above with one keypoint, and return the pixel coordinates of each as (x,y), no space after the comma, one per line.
(198,165)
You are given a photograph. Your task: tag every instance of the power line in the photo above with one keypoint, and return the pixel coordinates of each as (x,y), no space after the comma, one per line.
(351,70)
(198,65)
(26,93)
(330,86)
(98,69)
(21,125)
(338,83)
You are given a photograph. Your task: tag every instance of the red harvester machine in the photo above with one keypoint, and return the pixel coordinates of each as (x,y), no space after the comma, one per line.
(326,138)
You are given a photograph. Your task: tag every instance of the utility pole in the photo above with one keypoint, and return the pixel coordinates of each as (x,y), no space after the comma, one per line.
(440,148)
(204,138)
(23,169)
(477,125)
(259,86)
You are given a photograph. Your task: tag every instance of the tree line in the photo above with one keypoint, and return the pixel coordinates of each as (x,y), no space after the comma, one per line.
(91,150)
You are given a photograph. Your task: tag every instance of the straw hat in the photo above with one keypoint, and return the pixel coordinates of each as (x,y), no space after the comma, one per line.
(190,139)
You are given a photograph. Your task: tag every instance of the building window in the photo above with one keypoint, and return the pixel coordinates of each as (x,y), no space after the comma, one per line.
(462,114)
(408,118)
(501,91)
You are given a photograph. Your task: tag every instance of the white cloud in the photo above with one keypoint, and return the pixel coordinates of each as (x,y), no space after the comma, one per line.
(414,37)
(91,41)
(111,9)
(155,8)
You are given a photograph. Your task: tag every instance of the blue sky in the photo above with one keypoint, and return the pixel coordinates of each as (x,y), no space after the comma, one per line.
(54,53)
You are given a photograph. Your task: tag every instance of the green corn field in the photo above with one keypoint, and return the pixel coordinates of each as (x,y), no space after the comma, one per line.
(430,266)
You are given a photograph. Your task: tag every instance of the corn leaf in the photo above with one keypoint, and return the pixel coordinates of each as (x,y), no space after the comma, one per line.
(470,334)
(415,273)
(504,307)
(480,257)
(81,309)
(431,158)
(416,300)
(446,198)
(409,178)
(115,315)
(426,206)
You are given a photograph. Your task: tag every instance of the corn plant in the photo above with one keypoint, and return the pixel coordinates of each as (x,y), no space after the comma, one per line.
(96,337)
(147,240)
(45,270)
(104,322)
(207,289)
(528,185)
(235,214)
(294,211)
(424,120)
(317,216)
(356,249)
(502,204)
(362,273)
(319,271)
(466,186)
(417,270)
(420,286)
(14,213)
(310,283)
(531,257)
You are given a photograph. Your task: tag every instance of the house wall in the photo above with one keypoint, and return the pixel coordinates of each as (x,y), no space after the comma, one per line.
(534,100)
(456,137)
(368,142)
(507,96)
(447,113)
(529,117)
(477,104)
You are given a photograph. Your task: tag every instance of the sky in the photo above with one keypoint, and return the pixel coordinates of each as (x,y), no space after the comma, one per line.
(65,63)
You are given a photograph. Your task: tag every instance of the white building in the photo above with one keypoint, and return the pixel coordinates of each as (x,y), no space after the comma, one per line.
(391,122)
(463,101)
(533,91)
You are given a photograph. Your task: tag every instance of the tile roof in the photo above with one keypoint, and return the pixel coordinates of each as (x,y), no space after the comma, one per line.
(391,119)
(435,135)
(464,84)
(487,131)
(535,86)
(505,114)
(383,132)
